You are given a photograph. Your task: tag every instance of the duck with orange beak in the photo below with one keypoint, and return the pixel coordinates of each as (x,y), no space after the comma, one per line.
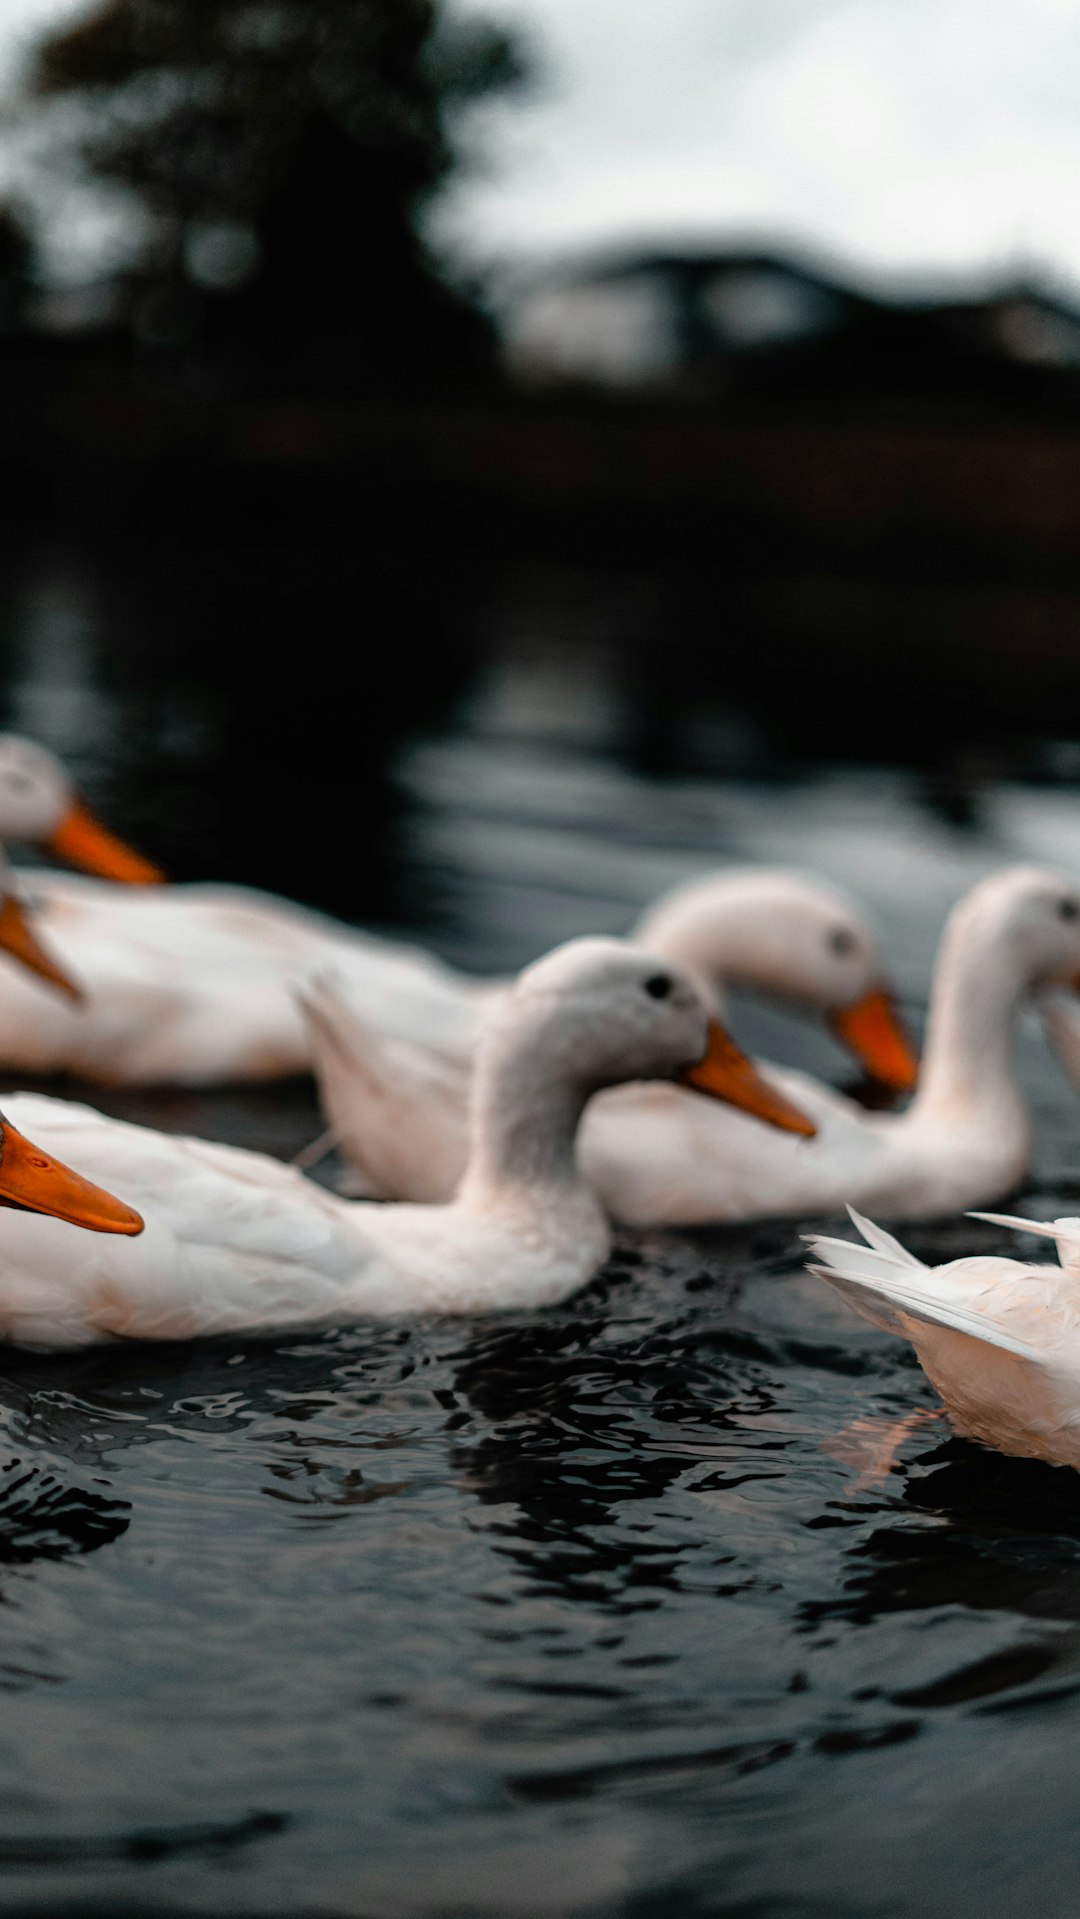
(56,1227)
(39,806)
(398,1110)
(238,1243)
(195,985)
(31,1181)
(659,1157)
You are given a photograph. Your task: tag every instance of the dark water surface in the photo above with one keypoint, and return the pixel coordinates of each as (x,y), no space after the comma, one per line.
(604,1611)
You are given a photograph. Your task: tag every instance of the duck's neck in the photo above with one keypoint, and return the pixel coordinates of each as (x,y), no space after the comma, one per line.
(969,1067)
(525,1112)
(718,951)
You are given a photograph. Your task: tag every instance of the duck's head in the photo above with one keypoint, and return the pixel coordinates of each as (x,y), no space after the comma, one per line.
(32,1181)
(40,806)
(1024,923)
(604,1011)
(797,939)
(1026,920)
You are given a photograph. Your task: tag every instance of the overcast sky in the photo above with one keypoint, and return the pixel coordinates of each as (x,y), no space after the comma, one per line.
(896,134)
(21,21)
(899,134)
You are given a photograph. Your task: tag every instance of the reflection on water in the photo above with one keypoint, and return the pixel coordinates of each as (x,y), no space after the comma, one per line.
(42,1518)
(599,1611)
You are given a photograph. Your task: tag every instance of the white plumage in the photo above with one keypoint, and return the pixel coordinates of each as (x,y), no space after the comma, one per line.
(1000,1340)
(195,985)
(235,1242)
(657,1155)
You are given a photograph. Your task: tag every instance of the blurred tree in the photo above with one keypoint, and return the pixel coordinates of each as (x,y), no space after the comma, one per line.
(282,153)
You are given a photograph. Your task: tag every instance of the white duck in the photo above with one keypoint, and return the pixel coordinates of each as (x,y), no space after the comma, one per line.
(235,1242)
(398,1108)
(999,1339)
(659,1156)
(196,984)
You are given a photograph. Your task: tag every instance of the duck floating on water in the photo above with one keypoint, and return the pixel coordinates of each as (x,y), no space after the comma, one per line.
(657,1156)
(999,1339)
(196,985)
(236,1242)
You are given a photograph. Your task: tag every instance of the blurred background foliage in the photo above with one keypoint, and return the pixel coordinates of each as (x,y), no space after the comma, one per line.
(277,157)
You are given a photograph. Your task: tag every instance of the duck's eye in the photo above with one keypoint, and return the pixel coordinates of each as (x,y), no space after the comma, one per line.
(19,781)
(659,986)
(841,941)
(1068,910)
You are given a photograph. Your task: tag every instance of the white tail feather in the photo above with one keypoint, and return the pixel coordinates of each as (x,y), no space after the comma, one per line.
(398,1108)
(890,1287)
(883,1241)
(863,1299)
(1045,1228)
(849,1258)
(331,1019)
(1064,1232)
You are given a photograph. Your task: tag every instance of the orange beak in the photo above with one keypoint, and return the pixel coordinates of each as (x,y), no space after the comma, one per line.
(81,841)
(34,1183)
(18,938)
(872,1030)
(726,1073)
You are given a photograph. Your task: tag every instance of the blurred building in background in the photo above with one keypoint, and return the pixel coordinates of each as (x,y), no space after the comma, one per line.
(697,321)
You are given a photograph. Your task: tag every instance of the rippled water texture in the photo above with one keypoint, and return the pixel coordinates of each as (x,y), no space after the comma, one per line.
(618,1609)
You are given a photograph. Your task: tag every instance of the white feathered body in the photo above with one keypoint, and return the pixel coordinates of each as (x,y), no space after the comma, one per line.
(194,985)
(998,1339)
(238,1243)
(660,1155)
